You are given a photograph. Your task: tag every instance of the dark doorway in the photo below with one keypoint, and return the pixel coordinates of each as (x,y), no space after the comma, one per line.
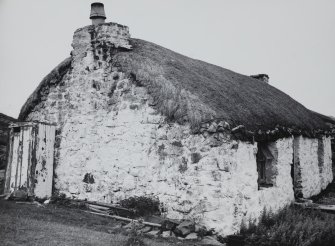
(265,165)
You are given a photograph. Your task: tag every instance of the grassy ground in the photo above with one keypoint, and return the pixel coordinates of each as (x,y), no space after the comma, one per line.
(25,224)
(292,226)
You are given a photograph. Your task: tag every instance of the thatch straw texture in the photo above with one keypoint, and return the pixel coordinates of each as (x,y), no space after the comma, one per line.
(186,89)
(192,91)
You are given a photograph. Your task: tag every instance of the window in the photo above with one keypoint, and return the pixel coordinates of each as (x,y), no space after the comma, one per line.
(265,165)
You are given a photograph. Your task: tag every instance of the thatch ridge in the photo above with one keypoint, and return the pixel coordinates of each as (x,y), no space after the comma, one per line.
(53,78)
(185,89)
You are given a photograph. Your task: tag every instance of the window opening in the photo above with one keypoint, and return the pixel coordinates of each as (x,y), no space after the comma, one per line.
(265,161)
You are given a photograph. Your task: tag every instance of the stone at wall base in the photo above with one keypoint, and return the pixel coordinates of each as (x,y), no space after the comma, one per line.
(146,229)
(192,236)
(185,228)
(210,241)
(153,233)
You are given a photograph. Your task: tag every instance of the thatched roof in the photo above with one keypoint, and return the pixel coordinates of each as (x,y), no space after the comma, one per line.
(186,89)
(329,120)
(42,90)
(189,90)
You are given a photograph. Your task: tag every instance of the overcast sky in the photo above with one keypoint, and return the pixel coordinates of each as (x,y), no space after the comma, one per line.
(292,41)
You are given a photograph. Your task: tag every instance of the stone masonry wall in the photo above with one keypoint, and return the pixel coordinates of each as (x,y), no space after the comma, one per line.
(312,165)
(282,191)
(111,145)
(325,161)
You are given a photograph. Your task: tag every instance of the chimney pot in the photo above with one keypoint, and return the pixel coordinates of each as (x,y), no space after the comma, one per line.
(97,15)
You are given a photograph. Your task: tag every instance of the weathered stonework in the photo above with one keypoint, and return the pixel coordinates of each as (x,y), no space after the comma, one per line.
(111,144)
(312,165)
(325,161)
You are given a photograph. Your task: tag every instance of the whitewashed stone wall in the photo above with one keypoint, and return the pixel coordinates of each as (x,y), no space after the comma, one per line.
(306,170)
(325,162)
(282,191)
(112,145)
(312,171)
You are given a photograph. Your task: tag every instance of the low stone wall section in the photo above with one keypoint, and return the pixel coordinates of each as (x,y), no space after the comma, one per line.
(325,162)
(312,165)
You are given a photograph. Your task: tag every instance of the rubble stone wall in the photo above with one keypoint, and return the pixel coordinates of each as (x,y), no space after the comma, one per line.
(111,152)
(111,144)
(312,165)
(325,161)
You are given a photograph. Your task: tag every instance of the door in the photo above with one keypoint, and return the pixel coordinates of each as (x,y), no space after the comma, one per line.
(30,159)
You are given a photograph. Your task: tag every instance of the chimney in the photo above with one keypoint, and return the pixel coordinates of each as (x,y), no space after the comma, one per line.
(263,77)
(97,15)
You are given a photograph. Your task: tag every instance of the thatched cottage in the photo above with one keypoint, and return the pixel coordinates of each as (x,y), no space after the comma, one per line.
(135,119)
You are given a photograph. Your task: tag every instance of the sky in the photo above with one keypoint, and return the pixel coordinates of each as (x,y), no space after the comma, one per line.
(293,41)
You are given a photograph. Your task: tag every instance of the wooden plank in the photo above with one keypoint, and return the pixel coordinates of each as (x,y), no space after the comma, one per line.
(101,208)
(26,139)
(14,162)
(98,210)
(109,206)
(44,156)
(40,162)
(326,208)
(50,150)
(316,206)
(19,161)
(33,161)
(30,172)
(9,161)
(21,124)
(30,159)
(102,204)
(124,219)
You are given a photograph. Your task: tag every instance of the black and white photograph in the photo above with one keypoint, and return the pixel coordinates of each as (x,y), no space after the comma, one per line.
(167,122)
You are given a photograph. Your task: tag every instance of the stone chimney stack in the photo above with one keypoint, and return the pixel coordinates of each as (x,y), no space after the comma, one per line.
(97,15)
(263,77)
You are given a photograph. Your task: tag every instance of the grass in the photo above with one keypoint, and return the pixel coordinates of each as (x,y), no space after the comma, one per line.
(25,224)
(291,226)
